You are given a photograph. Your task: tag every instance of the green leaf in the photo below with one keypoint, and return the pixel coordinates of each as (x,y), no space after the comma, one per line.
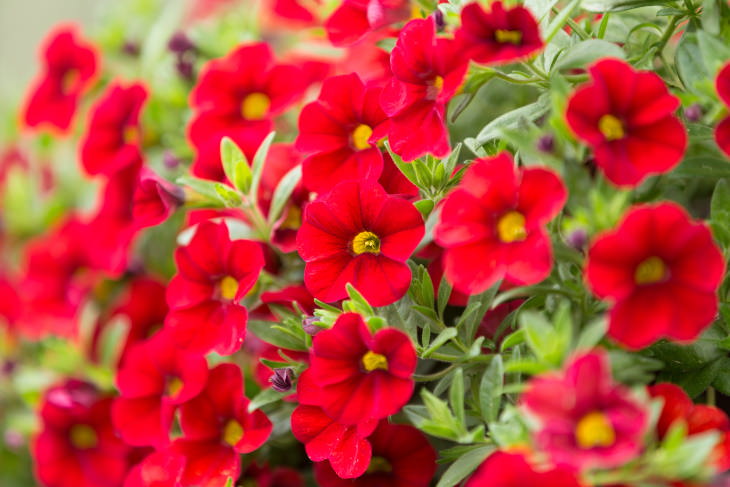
(616,5)
(513,339)
(720,212)
(266,396)
(559,21)
(464,466)
(513,119)
(490,389)
(443,337)
(425,207)
(444,293)
(456,395)
(282,193)
(592,334)
(273,334)
(235,165)
(257,166)
(703,166)
(206,189)
(584,53)
(228,195)
(541,336)
(476,308)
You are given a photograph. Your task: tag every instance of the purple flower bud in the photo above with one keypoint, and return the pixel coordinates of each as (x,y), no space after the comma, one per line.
(7,368)
(14,440)
(281,380)
(131,48)
(693,113)
(577,239)
(438,17)
(310,328)
(170,161)
(185,69)
(546,143)
(180,43)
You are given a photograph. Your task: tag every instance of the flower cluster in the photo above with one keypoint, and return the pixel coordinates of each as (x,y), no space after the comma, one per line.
(370,243)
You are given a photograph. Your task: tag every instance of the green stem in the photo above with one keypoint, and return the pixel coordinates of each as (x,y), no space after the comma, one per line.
(435,375)
(668,33)
(604,25)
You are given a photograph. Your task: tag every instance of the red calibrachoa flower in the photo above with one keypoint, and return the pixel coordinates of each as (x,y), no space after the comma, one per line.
(586,420)
(359,234)
(492,224)
(237,96)
(77,445)
(158,469)
(499,35)
(502,469)
(627,117)
(155,199)
(112,141)
(217,427)
(345,446)
(214,274)
(661,270)
(361,376)
(341,129)
(722,131)
(402,457)
(353,19)
(698,418)
(155,378)
(69,67)
(427,72)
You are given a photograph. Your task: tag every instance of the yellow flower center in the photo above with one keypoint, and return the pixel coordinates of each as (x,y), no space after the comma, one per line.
(504,36)
(611,127)
(228,287)
(174,386)
(232,432)
(366,242)
(69,80)
(83,437)
(379,465)
(255,106)
(360,137)
(293,219)
(130,134)
(594,429)
(650,270)
(374,361)
(511,227)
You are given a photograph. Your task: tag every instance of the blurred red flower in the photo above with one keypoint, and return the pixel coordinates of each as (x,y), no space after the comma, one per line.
(69,67)
(585,419)
(340,130)
(353,19)
(499,35)
(627,118)
(492,224)
(359,234)
(502,469)
(360,375)
(427,72)
(661,270)
(155,199)
(722,131)
(214,274)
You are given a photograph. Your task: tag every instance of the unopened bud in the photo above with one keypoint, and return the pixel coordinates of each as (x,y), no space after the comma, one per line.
(281,381)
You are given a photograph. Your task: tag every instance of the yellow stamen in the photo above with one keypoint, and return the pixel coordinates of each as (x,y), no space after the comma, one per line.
(255,106)
(232,432)
(594,430)
(174,386)
(366,242)
(379,465)
(293,219)
(83,437)
(360,137)
(228,287)
(611,127)
(504,36)
(438,83)
(69,80)
(130,134)
(374,361)
(650,270)
(511,227)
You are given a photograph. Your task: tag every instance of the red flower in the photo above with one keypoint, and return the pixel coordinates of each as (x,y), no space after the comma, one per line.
(499,35)
(394,181)
(492,224)
(359,234)
(154,380)
(155,199)
(77,445)
(112,141)
(627,117)
(217,427)
(586,420)
(214,274)
(296,10)
(698,418)
(345,446)
(341,128)
(264,476)
(503,469)
(722,131)
(427,72)
(661,270)
(237,96)
(69,67)
(402,457)
(361,376)
(159,469)
(353,19)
